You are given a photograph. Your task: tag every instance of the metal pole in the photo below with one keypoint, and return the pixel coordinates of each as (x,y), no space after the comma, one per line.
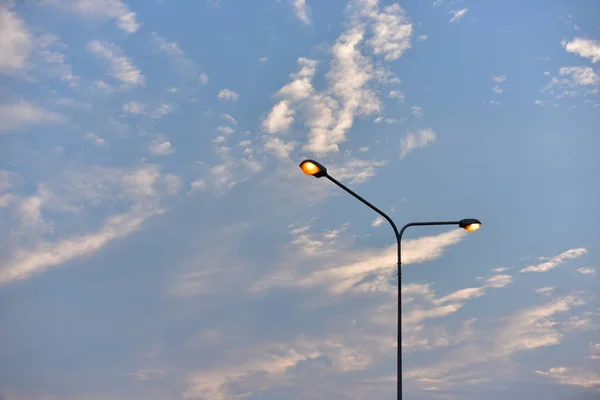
(398,241)
(399,350)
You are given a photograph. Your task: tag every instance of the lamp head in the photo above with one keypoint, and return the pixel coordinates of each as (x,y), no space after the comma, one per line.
(311,167)
(470,224)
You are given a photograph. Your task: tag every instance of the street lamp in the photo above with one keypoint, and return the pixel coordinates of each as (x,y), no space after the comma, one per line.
(313,168)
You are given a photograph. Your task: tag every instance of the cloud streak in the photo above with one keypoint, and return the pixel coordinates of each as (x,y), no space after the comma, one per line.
(556,261)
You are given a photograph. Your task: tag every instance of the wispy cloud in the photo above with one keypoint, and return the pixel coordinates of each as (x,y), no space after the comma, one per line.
(581,75)
(526,330)
(330,114)
(556,261)
(203,79)
(229,119)
(140,189)
(302,11)
(133,107)
(95,139)
(104,9)
(417,111)
(586,271)
(413,141)
(228,95)
(27,263)
(17,116)
(120,66)
(572,376)
(499,78)
(175,53)
(161,146)
(457,15)
(225,129)
(377,221)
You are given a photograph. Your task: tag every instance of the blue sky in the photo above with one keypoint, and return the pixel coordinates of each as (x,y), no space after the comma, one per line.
(158,240)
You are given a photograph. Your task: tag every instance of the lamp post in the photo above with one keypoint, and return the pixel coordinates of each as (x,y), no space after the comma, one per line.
(313,168)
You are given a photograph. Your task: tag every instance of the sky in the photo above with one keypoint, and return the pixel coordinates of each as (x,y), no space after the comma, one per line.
(158,240)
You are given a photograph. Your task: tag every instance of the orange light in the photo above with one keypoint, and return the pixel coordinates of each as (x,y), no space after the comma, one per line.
(309,168)
(472,227)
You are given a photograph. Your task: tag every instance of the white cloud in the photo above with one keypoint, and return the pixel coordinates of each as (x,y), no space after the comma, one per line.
(174,52)
(223,176)
(388,121)
(133,107)
(357,171)
(574,82)
(302,11)
(52,61)
(457,15)
(422,38)
(228,95)
(225,129)
(229,119)
(263,59)
(377,221)
(102,9)
(301,87)
(15,41)
(172,183)
(52,254)
(278,147)
(95,139)
(496,89)
(581,75)
(532,328)
(498,281)
(556,261)
(343,278)
(267,367)
(219,139)
(396,94)
(203,78)
(161,111)
(144,375)
(545,290)
(499,78)
(160,147)
(528,329)
(19,115)
(197,185)
(420,139)
(280,118)
(391,30)
(76,188)
(416,111)
(586,48)
(437,3)
(330,114)
(566,376)
(586,271)
(120,66)
(244,143)
(105,87)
